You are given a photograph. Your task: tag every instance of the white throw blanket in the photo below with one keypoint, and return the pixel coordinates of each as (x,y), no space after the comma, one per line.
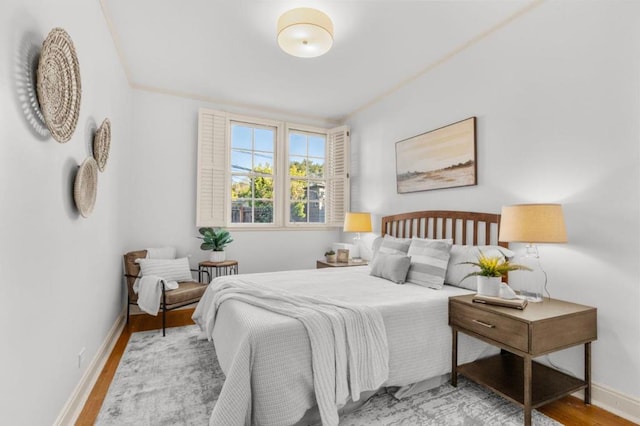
(348,347)
(149,291)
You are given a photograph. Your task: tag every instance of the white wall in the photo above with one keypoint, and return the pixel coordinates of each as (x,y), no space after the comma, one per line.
(61,283)
(161,196)
(556,94)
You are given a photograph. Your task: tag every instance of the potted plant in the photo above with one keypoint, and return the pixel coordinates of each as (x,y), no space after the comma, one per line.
(215,239)
(492,269)
(330,256)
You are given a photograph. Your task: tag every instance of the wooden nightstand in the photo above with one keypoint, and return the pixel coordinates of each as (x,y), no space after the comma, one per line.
(539,329)
(324,264)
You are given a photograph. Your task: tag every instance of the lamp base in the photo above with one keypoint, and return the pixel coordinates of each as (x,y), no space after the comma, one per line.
(531,296)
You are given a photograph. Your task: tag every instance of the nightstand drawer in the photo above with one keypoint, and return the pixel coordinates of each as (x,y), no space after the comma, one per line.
(502,329)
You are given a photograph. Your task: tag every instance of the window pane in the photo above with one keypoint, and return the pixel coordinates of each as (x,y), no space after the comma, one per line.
(240,187)
(263,139)
(241,211)
(263,212)
(263,163)
(315,212)
(316,168)
(297,166)
(316,191)
(298,211)
(240,136)
(316,146)
(241,161)
(297,144)
(298,189)
(263,188)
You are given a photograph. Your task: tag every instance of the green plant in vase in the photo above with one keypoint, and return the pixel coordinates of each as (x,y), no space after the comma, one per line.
(215,239)
(492,269)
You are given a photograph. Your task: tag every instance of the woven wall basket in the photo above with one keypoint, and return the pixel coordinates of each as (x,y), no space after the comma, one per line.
(85,188)
(58,85)
(102,143)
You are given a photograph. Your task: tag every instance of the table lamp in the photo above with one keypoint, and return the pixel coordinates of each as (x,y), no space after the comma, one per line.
(532,224)
(357,222)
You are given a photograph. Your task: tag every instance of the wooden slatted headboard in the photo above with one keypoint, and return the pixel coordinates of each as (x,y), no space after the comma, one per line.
(466,228)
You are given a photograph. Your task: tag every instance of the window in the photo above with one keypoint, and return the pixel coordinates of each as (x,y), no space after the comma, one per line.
(252,173)
(262,173)
(307,186)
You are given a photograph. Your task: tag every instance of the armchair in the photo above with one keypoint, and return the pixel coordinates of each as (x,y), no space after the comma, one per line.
(187,293)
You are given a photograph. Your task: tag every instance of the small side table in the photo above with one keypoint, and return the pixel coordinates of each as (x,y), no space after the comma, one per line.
(218,269)
(324,264)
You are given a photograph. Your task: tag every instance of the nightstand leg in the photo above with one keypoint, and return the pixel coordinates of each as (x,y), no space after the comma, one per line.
(527,391)
(454,357)
(587,372)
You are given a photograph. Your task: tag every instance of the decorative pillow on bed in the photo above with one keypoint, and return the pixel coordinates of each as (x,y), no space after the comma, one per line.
(375,247)
(429,259)
(169,269)
(392,267)
(393,245)
(456,272)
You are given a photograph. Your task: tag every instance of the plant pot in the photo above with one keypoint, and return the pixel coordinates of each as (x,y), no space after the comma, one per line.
(489,286)
(331,258)
(217,256)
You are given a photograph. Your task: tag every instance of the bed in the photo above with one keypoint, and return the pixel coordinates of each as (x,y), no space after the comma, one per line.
(267,357)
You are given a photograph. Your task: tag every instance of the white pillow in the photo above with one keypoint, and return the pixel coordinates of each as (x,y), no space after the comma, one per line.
(161,253)
(459,254)
(429,260)
(168,269)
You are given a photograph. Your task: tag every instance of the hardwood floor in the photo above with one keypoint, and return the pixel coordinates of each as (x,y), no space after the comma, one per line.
(569,411)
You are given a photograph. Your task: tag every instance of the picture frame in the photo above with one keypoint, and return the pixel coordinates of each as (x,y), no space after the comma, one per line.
(343,256)
(438,159)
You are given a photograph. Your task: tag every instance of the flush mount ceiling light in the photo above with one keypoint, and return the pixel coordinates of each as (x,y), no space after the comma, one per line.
(305,32)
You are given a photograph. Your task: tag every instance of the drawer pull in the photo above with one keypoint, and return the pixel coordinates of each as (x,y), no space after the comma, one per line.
(484,324)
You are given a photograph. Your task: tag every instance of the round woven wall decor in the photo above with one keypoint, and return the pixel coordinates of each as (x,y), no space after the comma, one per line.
(58,85)
(85,187)
(101,144)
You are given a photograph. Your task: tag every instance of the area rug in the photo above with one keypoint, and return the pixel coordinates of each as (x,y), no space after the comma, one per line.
(176,380)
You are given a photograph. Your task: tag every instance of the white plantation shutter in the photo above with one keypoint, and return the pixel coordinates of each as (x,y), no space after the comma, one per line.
(337,173)
(211,204)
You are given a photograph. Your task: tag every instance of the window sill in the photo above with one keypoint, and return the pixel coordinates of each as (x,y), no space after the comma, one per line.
(282,228)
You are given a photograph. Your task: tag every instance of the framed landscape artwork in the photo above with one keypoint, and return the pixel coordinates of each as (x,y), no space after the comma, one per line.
(441,158)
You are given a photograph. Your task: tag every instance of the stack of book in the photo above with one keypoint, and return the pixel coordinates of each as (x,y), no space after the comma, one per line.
(498,301)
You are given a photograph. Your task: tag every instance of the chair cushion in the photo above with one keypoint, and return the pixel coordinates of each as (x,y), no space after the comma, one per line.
(188,291)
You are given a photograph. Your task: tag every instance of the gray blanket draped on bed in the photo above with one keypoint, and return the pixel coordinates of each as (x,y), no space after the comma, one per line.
(349,347)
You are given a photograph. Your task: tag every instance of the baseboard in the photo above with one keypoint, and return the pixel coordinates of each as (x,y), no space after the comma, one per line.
(615,402)
(80,394)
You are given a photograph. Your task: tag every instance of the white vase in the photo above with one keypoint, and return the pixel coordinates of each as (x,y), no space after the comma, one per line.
(489,286)
(217,256)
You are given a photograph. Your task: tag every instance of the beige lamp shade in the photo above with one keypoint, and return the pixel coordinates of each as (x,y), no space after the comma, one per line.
(532,223)
(305,32)
(357,222)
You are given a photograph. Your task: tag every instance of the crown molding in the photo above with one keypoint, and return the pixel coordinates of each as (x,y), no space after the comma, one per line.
(461,48)
(222,103)
(116,42)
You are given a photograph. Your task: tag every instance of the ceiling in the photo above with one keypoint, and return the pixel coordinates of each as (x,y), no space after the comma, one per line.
(225,51)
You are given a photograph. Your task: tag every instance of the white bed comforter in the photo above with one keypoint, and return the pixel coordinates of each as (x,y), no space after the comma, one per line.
(348,346)
(267,357)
